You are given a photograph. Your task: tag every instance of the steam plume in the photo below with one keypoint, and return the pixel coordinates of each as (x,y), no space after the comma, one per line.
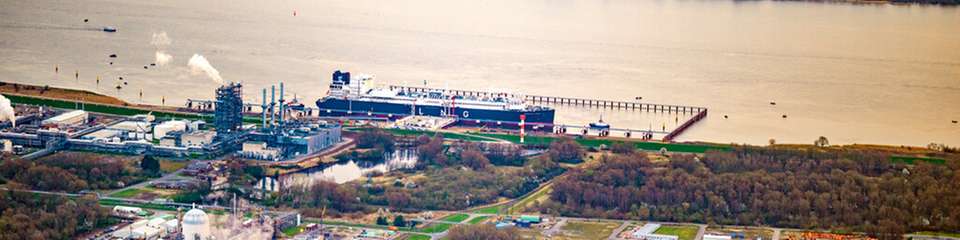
(200,64)
(6,111)
(160,39)
(162,58)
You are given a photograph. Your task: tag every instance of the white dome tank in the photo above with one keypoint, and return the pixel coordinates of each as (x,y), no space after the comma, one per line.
(196,224)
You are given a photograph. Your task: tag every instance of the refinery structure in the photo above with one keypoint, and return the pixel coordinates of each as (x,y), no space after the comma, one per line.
(282,132)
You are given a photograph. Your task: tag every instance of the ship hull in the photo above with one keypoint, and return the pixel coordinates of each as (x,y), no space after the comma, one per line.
(484,117)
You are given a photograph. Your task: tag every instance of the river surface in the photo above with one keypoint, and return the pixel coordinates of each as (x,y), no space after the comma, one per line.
(353,170)
(886,74)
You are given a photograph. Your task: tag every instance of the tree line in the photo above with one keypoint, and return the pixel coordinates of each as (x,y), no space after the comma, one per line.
(32,216)
(71,172)
(811,188)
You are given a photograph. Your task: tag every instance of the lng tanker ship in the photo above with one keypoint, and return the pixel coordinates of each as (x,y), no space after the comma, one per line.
(357,96)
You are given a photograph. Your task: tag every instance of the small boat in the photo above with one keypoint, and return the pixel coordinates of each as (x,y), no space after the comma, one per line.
(109,29)
(600,125)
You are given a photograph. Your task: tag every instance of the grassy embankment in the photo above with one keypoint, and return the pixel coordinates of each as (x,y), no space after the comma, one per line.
(114,109)
(432,228)
(456,217)
(417,237)
(540,195)
(478,219)
(546,140)
(128,193)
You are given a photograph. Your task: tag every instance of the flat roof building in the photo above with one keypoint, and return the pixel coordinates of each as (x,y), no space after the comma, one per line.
(70,118)
(647,232)
(197,139)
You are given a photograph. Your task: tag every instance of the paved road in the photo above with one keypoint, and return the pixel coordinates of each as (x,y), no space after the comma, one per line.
(613,235)
(701,231)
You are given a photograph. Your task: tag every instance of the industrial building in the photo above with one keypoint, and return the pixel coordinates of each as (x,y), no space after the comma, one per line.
(197,138)
(647,232)
(71,118)
(260,151)
(282,138)
(716,237)
(228,113)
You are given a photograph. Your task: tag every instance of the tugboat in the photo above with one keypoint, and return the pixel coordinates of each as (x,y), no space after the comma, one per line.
(602,127)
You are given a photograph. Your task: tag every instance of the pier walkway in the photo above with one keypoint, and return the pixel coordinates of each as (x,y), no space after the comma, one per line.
(699,113)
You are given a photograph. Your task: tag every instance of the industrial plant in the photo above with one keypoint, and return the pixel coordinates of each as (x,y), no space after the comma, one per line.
(281,132)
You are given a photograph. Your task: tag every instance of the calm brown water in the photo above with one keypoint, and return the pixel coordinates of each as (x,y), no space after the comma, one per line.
(854,73)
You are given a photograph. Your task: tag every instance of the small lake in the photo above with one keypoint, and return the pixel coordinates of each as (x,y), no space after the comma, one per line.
(352,170)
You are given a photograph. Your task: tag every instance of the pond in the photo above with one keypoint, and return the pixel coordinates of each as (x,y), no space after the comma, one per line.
(352,170)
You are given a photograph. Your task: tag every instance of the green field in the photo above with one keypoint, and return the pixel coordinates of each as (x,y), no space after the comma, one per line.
(291,231)
(418,237)
(457,217)
(478,219)
(913,160)
(128,193)
(489,210)
(684,232)
(435,228)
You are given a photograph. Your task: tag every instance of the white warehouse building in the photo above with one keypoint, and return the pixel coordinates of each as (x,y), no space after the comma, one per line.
(70,118)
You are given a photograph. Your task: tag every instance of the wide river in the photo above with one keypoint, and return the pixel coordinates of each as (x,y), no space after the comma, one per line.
(886,74)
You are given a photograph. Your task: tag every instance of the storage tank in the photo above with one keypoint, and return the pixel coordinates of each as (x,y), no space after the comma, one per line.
(196,226)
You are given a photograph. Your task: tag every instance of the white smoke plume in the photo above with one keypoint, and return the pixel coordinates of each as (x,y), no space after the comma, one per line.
(162,58)
(6,111)
(160,39)
(200,64)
